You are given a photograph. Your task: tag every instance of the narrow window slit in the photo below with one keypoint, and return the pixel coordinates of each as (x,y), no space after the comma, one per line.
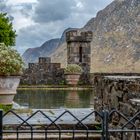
(80,54)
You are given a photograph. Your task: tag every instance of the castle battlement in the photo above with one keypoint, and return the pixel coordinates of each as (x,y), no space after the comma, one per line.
(77,36)
(43,72)
(44,60)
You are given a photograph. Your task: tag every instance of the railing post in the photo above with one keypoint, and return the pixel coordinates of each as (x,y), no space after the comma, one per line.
(105,124)
(1,123)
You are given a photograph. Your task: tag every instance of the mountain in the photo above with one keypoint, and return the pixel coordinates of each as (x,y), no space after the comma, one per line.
(32,54)
(116,39)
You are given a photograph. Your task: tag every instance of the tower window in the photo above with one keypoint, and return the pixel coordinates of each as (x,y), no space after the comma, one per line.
(80,54)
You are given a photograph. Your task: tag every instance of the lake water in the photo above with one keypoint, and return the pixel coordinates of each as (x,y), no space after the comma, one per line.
(46,99)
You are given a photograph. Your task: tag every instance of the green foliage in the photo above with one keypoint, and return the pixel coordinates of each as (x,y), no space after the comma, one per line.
(5,108)
(73,68)
(7,34)
(10,61)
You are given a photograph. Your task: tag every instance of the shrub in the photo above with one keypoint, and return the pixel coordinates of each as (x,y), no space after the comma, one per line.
(7,33)
(73,68)
(10,61)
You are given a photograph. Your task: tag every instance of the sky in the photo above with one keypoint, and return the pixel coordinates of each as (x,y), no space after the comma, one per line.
(37,21)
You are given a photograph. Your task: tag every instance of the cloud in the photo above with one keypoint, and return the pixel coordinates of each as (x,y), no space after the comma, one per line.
(53,10)
(63,10)
(90,7)
(15,2)
(22,16)
(2,6)
(20,13)
(35,35)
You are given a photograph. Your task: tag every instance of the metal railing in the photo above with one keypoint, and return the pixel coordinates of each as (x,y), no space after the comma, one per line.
(107,125)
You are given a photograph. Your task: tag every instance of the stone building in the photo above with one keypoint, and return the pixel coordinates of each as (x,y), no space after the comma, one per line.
(43,72)
(79,49)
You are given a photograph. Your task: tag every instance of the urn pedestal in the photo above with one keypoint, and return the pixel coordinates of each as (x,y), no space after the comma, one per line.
(72,79)
(8,87)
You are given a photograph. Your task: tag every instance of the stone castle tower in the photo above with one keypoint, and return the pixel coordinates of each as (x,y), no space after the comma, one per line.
(79,49)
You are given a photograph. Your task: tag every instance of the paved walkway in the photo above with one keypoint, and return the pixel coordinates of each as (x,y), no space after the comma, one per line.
(37,119)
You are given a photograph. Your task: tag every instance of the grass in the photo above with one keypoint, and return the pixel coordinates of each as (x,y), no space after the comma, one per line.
(6,108)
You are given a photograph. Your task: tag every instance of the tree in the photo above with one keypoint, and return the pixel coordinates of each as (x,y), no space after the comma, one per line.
(7,33)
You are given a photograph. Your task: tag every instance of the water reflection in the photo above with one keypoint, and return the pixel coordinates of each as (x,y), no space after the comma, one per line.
(72,99)
(41,99)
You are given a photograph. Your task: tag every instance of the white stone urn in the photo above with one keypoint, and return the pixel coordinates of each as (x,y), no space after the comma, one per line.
(72,78)
(8,87)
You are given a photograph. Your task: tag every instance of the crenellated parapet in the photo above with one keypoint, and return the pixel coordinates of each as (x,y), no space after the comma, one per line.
(43,72)
(77,36)
(44,60)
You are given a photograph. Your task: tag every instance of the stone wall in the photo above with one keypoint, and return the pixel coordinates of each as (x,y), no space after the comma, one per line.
(43,72)
(119,91)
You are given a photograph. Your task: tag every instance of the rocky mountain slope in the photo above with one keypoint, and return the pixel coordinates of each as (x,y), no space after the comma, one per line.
(116,39)
(32,54)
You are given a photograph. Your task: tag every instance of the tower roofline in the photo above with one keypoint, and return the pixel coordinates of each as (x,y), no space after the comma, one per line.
(77,36)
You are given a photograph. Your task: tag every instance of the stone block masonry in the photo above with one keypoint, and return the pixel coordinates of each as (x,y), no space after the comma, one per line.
(77,36)
(79,49)
(44,60)
(43,72)
(119,91)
